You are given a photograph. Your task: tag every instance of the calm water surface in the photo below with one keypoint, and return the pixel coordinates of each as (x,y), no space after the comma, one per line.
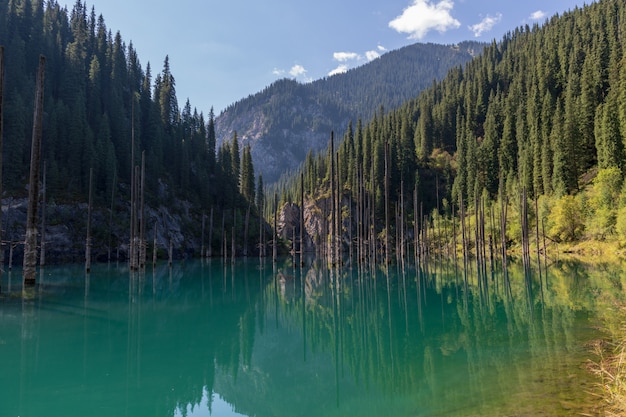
(215,339)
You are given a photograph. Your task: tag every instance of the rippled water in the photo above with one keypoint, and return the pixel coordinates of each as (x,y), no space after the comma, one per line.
(222,339)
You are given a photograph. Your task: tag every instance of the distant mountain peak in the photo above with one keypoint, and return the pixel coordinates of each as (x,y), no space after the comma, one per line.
(287,119)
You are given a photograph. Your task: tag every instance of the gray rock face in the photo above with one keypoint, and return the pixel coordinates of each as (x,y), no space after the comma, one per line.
(279,149)
(65,231)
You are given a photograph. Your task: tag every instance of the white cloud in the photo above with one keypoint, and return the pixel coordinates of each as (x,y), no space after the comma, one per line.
(278,72)
(372,55)
(486,24)
(345,56)
(423,16)
(297,71)
(349,60)
(381,48)
(339,70)
(538,15)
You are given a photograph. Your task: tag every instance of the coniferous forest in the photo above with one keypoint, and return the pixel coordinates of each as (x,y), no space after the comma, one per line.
(99,101)
(540,114)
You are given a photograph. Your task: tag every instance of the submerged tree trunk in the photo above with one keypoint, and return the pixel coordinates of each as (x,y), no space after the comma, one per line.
(274,246)
(333,212)
(154,245)
(202,237)
(132,249)
(142,211)
(387,186)
(111,217)
(88,239)
(30,242)
(301,219)
(1,133)
(210,246)
(42,256)
(245,233)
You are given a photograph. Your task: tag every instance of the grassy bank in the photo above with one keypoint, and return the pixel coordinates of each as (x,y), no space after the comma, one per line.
(611,368)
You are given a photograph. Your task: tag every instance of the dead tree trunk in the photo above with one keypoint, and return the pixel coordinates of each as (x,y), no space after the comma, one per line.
(132,249)
(30,243)
(111,217)
(202,237)
(154,245)
(88,239)
(274,246)
(210,247)
(142,211)
(42,256)
(245,232)
(387,175)
(332,199)
(1,133)
(301,219)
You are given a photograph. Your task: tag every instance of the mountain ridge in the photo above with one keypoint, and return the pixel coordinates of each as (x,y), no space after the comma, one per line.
(285,120)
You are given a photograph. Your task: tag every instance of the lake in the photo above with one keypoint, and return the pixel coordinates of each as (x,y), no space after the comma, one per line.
(213,338)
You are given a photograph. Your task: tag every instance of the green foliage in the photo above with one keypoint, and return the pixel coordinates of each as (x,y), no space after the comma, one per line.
(602,208)
(540,110)
(566,219)
(98,101)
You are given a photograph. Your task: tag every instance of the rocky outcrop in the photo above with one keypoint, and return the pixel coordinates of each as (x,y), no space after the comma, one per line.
(65,231)
(315,222)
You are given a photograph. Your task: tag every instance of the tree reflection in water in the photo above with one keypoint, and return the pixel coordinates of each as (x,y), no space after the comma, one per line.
(284,341)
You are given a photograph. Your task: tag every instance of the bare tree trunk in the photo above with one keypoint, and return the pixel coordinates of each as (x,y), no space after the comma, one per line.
(133,191)
(232,236)
(416,240)
(88,240)
(210,250)
(275,247)
(202,236)
(338,217)
(142,211)
(333,212)
(223,237)
(136,250)
(111,216)
(11,246)
(245,233)
(154,245)
(42,256)
(387,175)
(171,252)
(301,219)
(29,273)
(261,241)
(1,136)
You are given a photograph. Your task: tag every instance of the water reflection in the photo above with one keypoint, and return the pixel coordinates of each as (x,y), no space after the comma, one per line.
(280,340)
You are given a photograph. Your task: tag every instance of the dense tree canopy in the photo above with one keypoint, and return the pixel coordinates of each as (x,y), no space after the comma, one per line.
(99,101)
(540,110)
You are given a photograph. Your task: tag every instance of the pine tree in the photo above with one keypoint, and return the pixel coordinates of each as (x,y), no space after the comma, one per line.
(235,159)
(260,193)
(211,142)
(247,175)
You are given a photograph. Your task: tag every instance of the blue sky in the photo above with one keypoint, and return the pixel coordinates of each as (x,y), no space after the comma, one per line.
(223,51)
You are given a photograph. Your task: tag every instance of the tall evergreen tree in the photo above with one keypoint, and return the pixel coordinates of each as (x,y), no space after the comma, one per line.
(235,162)
(247,175)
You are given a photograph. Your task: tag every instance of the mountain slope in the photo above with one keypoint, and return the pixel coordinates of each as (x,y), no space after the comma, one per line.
(540,114)
(287,119)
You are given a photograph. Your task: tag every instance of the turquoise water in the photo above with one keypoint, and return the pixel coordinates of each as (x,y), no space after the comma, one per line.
(251,339)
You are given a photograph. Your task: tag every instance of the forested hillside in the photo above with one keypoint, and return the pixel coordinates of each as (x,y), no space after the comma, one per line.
(542,110)
(286,119)
(99,100)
